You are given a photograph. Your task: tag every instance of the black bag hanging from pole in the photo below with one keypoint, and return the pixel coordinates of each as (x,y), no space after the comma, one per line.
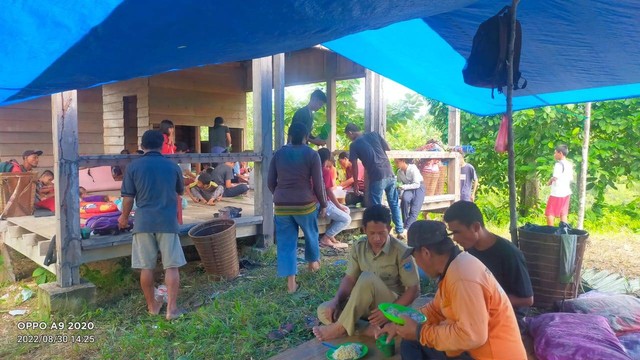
(487,64)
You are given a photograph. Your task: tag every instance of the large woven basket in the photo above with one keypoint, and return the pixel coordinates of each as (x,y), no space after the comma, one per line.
(216,243)
(17,194)
(430,182)
(442,178)
(541,249)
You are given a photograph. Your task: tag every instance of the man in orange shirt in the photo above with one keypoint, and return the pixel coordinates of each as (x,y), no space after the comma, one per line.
(470,317)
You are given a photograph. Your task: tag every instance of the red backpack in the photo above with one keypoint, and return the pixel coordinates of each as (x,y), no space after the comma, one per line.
(487,64)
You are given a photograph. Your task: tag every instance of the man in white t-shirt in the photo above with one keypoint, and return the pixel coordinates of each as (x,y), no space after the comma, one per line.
(560,182)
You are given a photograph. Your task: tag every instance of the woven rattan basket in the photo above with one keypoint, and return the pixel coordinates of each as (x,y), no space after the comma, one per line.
(430,182)
(17,194)
(216,243)
(541,250)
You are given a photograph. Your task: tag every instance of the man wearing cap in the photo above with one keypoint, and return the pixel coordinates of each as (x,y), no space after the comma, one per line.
(30,159)
(470,316)
(500,255)
(376,273)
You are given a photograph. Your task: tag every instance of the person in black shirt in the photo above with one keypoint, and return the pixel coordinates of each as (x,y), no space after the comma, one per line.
(499,255)
(222,175)
(371,149)
(304,116)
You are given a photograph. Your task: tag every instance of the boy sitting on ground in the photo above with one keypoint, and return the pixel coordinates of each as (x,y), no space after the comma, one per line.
(204,190)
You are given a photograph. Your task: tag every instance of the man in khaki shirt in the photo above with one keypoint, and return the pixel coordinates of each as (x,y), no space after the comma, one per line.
(376,273)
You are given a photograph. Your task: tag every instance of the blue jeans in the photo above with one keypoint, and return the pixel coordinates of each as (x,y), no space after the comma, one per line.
(387,185)
(411,204)
(287,241)
(414,350)
(339,219)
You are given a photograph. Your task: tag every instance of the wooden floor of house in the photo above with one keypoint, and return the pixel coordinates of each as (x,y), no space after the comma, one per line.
(32,235)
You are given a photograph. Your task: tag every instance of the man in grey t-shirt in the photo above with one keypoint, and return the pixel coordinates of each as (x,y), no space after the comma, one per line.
(154,182)
(468,181)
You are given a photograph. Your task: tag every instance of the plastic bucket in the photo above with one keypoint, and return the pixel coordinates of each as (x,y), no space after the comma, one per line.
(216,244)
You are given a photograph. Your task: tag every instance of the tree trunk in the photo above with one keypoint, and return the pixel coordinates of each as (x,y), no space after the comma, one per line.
(529,195)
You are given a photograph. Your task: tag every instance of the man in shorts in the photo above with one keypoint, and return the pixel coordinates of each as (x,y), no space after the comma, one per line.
(154,182)
(560,182)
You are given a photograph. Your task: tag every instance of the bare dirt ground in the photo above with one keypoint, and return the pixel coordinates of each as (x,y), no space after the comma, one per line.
(614,252)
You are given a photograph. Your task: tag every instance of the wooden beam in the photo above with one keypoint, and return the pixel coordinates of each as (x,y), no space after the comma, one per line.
(331,65)
(263,144)
(406,154)
(513,214)
(112,160)
(582,186)
(374,108)
(64,112)
(278,92)
(453,138)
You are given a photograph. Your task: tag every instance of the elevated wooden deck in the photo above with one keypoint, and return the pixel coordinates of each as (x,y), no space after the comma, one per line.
(31,235)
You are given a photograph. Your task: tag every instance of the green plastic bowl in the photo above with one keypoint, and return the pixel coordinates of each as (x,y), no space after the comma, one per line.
(385,307)
(364,352)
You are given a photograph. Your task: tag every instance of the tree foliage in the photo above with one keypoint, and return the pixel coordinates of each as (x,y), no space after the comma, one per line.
(613,152)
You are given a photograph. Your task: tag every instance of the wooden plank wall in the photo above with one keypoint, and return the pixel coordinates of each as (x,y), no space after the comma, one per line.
(196,96)
(27,125)
(113,111)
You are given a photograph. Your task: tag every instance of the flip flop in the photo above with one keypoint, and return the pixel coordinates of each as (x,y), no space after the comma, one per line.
(298,286)
(310,322)
(330,246)
(340,245)
(181,312)
(281,333)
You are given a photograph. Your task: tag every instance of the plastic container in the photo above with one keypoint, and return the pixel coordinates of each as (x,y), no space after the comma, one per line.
(363,353)
(388,350)
(403,310)
(340,194)
(161,293)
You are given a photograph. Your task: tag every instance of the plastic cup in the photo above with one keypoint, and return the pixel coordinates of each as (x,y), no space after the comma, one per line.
(388,350)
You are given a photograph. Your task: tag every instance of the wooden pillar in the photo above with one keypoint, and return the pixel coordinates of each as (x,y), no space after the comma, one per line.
(513,214)
(331,64)
(453,177)
(375,116)
(278,91)
(64,112)
(453,138)
(198,148)
(263,140)
(582,187)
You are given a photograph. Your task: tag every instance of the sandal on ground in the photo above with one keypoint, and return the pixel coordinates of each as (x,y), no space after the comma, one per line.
(180,313)
(280,334)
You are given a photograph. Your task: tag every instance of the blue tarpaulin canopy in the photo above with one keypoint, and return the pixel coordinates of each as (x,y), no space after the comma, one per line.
(573,51)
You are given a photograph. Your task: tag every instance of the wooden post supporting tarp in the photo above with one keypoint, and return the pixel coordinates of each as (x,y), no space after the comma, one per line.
(331,64)
(513,214)
(584,166)
(375,116)
(263,141)
(64,112)
(278,101)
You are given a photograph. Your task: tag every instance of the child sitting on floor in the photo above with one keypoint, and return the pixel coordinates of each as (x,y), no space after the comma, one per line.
(204,190)
(44,186)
